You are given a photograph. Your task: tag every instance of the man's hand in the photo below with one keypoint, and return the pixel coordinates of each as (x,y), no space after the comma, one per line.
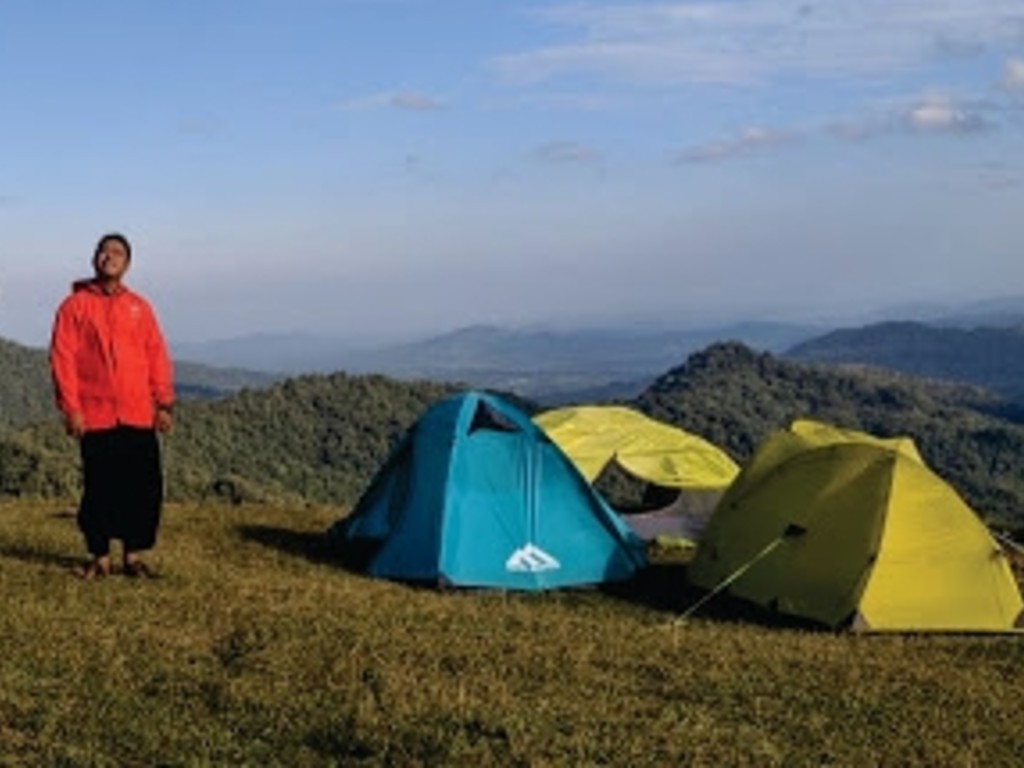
(163,421)
(74,425)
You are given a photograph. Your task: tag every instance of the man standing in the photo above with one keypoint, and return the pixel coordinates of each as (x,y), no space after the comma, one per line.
(114,386)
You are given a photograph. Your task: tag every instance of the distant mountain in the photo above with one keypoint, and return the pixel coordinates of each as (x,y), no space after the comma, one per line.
(989,357)
(195,380)
(561,365)
(1001,312)
(620,349)
(26,392)
(289,353)
(549,365)
(735,397)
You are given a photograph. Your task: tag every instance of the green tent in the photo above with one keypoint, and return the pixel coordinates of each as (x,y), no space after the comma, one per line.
(852,530)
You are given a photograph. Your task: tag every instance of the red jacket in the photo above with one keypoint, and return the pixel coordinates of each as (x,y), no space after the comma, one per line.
(109,359)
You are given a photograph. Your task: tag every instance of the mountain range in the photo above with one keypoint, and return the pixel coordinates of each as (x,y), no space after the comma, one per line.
(557,366)
(978,342)
(549,365)
(986,356)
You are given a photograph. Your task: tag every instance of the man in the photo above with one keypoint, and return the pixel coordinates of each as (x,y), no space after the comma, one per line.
(114,386)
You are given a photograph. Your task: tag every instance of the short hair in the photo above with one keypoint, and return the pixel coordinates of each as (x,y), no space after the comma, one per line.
(117,237)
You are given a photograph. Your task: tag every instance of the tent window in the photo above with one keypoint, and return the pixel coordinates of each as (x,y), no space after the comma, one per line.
(488,418)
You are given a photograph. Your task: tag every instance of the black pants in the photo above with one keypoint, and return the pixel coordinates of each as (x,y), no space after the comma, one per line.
(123,489)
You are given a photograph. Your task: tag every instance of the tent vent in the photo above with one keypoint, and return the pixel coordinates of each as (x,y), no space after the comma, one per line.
(793,530)
(488,418)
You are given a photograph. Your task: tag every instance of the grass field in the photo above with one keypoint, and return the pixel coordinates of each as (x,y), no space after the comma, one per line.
(255,648)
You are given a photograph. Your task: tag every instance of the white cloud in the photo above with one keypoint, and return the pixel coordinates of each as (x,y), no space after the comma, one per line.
(929,113)
(940,113)
(751,140)
(410,101)
(745,40)
(1013,75)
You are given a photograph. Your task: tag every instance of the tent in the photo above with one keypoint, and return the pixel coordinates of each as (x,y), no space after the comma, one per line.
(690,472)
(593,435)
(475,494)
(851,530)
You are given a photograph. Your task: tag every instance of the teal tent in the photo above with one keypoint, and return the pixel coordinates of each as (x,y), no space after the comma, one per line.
(475,494)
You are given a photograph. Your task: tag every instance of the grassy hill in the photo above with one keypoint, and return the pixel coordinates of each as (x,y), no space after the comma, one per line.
(255,648)
(986,356)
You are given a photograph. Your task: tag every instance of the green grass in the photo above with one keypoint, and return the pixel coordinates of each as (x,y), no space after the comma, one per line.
(255,648)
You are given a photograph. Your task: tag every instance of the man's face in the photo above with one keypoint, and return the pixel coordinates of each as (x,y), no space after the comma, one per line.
(112,261)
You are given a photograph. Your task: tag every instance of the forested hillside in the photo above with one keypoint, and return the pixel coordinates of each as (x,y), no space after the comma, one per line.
(321,438)
(317,438)
(313,438)
(26,395)
(988,357)
(736,397)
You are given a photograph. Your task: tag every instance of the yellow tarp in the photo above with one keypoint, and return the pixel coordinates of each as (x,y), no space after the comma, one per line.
(867,536)
(593,435)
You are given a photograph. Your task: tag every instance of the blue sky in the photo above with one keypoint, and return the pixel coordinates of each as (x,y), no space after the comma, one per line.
(390,168)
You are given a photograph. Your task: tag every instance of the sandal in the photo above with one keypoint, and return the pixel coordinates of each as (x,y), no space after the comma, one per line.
(137,569)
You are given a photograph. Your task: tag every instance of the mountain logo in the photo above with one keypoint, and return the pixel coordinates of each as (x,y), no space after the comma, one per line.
(531,559)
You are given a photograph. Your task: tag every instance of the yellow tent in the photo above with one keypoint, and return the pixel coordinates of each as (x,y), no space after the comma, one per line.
(851,530)
(691,469)
(593,435)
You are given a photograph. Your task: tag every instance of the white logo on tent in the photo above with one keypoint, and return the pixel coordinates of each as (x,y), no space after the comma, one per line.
(532,559)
